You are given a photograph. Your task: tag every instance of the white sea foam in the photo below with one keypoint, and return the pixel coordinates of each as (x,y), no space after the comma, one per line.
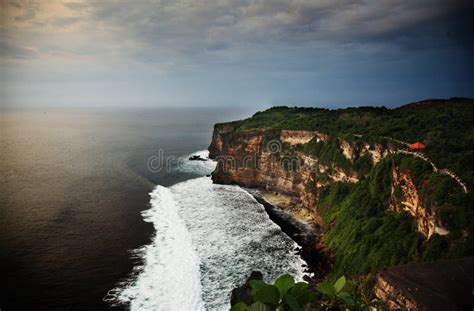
(233,236)
(196,166)
(208,240)
(170,277)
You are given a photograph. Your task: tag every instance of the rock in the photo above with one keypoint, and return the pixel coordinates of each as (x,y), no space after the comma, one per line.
(409,200)
(196,158)
(441,285)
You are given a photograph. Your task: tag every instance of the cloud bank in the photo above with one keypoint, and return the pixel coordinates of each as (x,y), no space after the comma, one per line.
(322,44)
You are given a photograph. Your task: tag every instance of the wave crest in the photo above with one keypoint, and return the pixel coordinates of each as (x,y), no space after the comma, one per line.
(170,276)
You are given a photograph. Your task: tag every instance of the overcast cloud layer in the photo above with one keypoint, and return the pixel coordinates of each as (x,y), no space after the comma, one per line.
(232,52)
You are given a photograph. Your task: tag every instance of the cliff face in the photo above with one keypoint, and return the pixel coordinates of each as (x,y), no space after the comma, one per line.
(270,160)
(405,197)
(261,159)
(352,151)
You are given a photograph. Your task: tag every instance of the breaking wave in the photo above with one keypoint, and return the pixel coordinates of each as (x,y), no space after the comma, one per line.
(208,240)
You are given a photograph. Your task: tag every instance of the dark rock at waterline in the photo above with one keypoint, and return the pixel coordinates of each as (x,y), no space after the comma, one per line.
(196,158)
(244,292)
(319,263)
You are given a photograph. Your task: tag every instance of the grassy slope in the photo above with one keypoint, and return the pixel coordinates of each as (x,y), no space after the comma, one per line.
(445,126)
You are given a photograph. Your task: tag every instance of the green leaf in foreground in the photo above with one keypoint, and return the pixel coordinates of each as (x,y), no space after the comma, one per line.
(339,284)
(239,307)
(256,285)
(346,297)
(283,283)
(327,289)
(267,294)
(301,293)
(292,302)
(350,287)
(258,306)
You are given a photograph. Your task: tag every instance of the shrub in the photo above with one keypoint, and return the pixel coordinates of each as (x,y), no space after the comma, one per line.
(287,294)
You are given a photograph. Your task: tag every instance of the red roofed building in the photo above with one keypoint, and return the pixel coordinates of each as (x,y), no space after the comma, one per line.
(417,146)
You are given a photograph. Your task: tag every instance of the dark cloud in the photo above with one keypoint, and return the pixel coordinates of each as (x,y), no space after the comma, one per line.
(8,50)
(336,20)
(290,49)
(75,5)
(29,8)
(65,21)
(183,27)
(15,4)
(216,46)
(188,28)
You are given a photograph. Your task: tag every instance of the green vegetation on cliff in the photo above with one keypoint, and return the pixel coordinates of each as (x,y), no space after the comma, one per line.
(446,127)
(364,234)
(363,231)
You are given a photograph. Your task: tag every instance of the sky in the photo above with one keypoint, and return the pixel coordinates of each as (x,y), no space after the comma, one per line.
(194,53)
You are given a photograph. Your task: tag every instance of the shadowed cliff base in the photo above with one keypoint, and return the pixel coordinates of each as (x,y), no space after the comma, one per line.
(307,235)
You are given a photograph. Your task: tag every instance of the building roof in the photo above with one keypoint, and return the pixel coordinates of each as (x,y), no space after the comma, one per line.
(417,145)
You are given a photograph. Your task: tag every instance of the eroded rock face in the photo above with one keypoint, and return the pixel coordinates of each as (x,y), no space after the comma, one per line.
(405,197)
(301,137)
(257,159)
(354,150)
(379,152)
(249,162)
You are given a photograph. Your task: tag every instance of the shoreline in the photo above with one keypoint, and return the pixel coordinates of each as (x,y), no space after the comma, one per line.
(306,235)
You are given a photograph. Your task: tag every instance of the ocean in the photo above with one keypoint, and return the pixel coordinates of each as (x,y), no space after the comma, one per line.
(102,209)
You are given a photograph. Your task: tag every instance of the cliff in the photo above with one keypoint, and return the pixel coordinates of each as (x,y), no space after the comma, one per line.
(406,197)
(291,177)
(255,160)
(350,173)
